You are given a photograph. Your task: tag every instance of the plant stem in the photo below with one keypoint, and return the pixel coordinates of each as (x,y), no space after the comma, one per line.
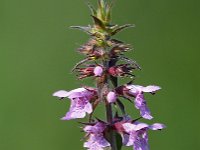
(109,112)
(112,135)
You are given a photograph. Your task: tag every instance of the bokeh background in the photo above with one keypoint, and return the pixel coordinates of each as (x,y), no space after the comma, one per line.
(37,51)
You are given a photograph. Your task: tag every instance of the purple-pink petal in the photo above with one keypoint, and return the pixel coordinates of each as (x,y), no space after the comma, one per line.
(136,134)
(138,126)
(61,94)
(141,142)
(125,139)
(88,108)
(96,142)
(80,92)
(157,126)
(74,115)
(145,112)
(140,104)
(151,88)
(96,139)
(78,109)
(128,127)
(134,89)
(99,127)
(80,104)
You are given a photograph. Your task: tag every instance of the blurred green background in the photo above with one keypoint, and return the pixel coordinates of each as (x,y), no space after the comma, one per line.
(37,51)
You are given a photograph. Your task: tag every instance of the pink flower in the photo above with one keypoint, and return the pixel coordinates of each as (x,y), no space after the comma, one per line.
(96,140)
(80,102)
(137,91)
(136,134)
(140,103)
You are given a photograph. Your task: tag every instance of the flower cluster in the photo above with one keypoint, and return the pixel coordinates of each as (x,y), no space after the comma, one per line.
(105,62)
(133,133)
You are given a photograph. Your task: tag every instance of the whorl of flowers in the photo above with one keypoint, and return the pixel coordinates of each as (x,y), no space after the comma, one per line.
(105,62)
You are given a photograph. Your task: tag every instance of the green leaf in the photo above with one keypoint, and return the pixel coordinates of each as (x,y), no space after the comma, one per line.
(114,80)
(121,106)
(120,28)
(101,9)
(108,12)
(118,141)
(82,28)
(98,22)
(101,4)
(92,9)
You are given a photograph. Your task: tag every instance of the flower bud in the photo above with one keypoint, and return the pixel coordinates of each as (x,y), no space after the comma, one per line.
(98,71)
(90,70)
(111,97)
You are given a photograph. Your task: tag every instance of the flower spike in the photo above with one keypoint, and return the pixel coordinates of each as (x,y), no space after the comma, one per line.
(105,63)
